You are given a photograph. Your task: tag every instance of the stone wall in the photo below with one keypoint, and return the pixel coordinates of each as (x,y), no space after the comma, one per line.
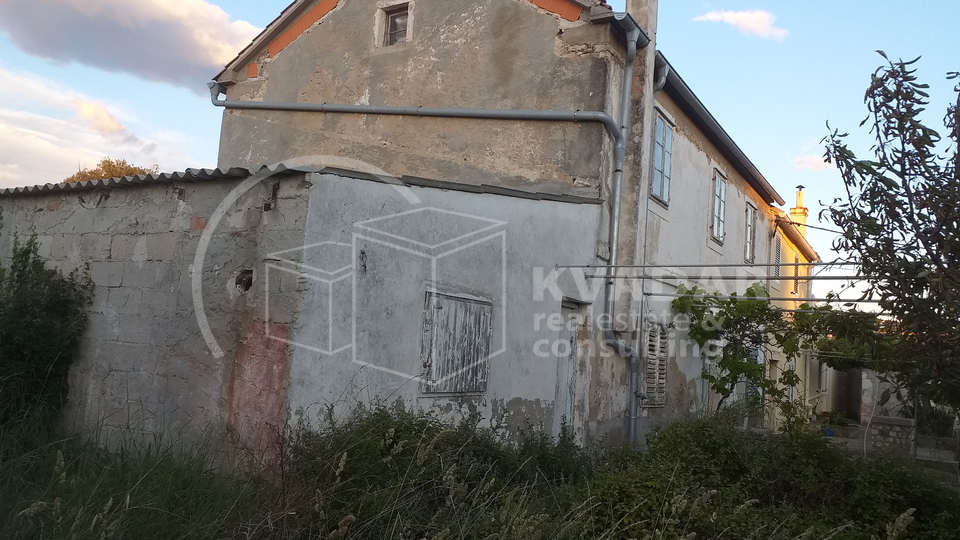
(144,365)
(891,434)
(225,304)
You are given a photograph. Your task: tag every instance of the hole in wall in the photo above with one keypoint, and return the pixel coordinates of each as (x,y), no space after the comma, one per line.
(244,280)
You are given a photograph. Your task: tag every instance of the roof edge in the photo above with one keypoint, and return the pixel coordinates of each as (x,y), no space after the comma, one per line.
(270,32)
(237,173)
(693,107)
(791,229)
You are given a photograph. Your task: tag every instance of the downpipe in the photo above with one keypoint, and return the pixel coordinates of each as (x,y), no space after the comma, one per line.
(616,197)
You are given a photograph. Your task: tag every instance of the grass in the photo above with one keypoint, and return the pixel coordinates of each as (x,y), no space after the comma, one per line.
(387,473)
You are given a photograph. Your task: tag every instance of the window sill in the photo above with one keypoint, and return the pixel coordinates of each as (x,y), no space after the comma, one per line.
(396,47)
(436,395)
(661,202)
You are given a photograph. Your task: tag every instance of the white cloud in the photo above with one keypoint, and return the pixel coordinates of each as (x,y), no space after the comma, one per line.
(756,22)
(48,132)
(181,42)
(811,162)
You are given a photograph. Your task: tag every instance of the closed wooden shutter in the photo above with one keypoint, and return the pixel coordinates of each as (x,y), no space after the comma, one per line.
(655,377)
(456,344)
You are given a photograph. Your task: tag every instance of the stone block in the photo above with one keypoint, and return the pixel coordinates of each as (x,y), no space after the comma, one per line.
(125,299)
(95,246)
(107,273)
(44,245)
(146,275)
(162,246)
(63,245)
(122,246)
(138,329)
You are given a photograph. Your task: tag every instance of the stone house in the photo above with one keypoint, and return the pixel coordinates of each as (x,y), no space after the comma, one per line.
(426,202)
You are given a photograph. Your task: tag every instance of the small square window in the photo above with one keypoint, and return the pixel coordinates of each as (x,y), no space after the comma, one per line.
(395,27)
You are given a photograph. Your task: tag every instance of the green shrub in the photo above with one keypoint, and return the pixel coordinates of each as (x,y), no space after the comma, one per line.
(710,478)
(42,317)
(391,473)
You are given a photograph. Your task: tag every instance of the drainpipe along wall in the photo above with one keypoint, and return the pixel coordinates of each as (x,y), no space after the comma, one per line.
(617,129)
(610,287)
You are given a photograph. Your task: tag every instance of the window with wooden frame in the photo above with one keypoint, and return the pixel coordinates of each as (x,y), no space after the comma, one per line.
(719,206)
(655,375)
(662,152)
(396,21)
(750,235)
(455,344)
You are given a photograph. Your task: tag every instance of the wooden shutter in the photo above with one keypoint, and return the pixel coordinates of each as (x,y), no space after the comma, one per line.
(655,377)
(455,344)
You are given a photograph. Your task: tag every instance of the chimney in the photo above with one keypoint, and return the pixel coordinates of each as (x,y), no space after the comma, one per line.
(799,213)
(645,13)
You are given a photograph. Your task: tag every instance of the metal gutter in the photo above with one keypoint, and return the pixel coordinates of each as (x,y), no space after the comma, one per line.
(693,107)
(613,128)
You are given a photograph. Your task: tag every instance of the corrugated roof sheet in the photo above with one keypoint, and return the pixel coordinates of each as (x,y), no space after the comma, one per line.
(189,175)
(199,175)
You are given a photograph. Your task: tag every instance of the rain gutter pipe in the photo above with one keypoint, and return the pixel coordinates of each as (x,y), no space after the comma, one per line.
(610,287)
(617,129)
(613,128)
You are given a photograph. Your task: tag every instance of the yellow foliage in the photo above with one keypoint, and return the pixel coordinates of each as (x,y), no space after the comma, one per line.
(110,168)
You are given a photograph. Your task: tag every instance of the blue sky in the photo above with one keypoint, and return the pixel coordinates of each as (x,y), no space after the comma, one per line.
(771,72)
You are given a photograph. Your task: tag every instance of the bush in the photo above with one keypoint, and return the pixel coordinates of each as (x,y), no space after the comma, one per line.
(42,317)
(390,473)
(711,478)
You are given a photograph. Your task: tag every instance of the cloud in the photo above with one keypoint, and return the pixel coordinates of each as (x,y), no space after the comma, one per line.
(48,132)
(811,162)
(756,22)
(180,42)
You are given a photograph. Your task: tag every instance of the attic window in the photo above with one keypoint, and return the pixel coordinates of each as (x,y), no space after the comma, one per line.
(395,29)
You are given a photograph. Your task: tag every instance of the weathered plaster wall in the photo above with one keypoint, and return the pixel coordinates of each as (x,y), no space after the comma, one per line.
(505,54)
(143,365)
(489,247)
(332,312)
(679,233)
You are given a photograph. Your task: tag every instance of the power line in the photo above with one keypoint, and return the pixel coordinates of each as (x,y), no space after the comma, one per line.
(722,265)
(735,278)
(810,226)
(770,298)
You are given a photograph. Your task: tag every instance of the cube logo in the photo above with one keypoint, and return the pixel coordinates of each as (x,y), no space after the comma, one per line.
(424,254)
(327,270)
(377,295)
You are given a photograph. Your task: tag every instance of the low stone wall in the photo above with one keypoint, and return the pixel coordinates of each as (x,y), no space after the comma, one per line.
(890,433)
